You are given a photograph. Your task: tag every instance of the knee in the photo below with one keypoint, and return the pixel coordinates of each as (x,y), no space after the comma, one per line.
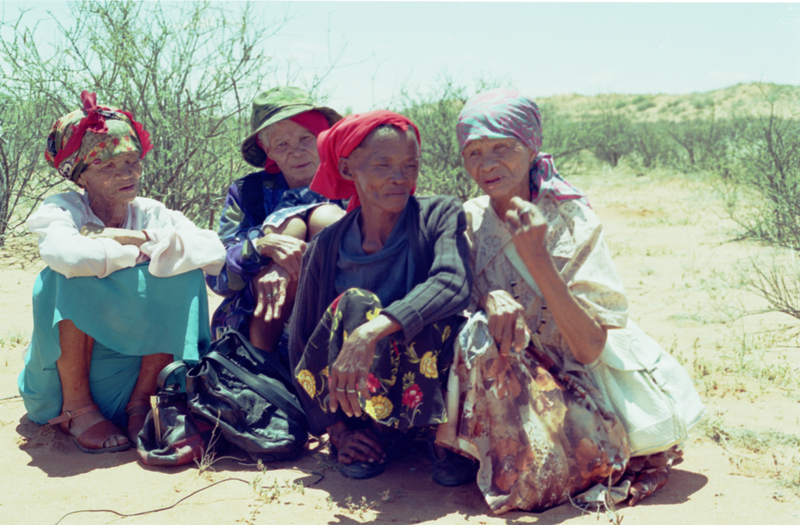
(293,227)
(321,217)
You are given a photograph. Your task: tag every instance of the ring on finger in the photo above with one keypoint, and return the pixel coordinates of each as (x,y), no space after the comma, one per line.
(352,391)
(340,389)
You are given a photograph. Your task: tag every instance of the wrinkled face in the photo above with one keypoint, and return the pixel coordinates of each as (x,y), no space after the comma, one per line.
(500,166)
(294,150)
(115,181)
(384,168)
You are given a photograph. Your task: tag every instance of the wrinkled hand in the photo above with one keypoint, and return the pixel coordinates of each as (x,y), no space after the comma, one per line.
(349,372)
(527,226)
(355,445)
(506,321)
(285,250)
(122,236)
(270,284)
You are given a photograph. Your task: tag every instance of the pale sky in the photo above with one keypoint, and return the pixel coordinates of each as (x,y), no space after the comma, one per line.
(541,49)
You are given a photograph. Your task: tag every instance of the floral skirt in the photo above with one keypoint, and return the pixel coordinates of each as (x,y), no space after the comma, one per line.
(541,435)
(405,381)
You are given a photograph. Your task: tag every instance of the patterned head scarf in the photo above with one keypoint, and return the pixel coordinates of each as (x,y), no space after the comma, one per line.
(340,141)
(92,135)
(505,113)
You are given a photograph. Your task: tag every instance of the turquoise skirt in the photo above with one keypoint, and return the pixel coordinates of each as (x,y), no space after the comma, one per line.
(129,314)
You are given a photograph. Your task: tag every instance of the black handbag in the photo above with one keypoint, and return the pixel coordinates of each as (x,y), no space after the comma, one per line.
(249,395)
(171,435)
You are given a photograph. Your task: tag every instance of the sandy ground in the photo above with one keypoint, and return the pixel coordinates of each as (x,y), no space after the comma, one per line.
(678,258)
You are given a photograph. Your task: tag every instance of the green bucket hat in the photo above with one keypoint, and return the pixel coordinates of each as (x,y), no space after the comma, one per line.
(273,106)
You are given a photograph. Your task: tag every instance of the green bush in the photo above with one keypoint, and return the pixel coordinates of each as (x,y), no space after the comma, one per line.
(766,164)
(25,178)
(187,71)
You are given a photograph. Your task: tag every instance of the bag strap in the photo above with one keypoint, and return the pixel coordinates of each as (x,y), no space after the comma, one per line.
(268,359)
(266,386)
(513,257)
(168,371)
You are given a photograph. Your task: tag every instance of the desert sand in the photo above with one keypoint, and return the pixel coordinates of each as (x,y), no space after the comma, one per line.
(681,262)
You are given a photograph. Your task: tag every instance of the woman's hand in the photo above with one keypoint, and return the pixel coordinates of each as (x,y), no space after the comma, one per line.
(285,250)
(270,284)
(348,375)
(528,228)
(584,336)
(122,236)
(506,321)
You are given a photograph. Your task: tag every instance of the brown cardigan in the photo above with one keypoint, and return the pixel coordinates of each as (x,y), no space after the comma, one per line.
(443,278)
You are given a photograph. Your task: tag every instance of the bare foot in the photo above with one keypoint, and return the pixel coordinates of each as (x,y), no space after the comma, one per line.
(355,445)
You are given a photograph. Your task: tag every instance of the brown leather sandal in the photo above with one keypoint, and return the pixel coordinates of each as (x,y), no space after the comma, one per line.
(88,439)
(137,413)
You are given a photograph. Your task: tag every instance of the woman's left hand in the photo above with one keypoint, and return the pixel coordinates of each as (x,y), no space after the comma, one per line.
(122,236)
(528,227)
(348,375)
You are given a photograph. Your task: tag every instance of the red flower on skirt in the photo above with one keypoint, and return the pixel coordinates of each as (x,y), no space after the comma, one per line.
(373,383)
(412,397)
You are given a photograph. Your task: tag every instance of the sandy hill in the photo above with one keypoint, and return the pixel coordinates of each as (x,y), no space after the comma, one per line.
(738,100)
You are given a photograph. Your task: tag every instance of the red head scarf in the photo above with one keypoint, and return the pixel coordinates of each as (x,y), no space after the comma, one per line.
(313,121)
(340,141)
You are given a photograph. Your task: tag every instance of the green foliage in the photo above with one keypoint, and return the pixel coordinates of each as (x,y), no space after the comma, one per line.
(24,176)
(565,138)
(651,146)
(766,163)
(613,131)
(645,105)
(441,172)
(187,72)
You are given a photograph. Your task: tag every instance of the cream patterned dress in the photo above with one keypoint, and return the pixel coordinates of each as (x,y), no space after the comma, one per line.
(539,427)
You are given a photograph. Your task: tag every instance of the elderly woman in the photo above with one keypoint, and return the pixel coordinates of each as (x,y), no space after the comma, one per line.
(122,294)
(378,303)
(533,417)
(270,214)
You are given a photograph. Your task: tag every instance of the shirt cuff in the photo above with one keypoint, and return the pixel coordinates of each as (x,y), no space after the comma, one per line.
(250,251)
(409,318)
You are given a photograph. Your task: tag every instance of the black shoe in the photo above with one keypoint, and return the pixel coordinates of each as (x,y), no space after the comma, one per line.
(361,469)
(451,469)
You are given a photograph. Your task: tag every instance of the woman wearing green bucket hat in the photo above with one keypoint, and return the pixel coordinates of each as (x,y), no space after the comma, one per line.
(270,214)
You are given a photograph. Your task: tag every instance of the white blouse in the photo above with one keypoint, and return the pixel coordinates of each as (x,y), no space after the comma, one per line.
(176,244)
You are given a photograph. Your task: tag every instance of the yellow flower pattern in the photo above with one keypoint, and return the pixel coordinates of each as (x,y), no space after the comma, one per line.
(379,407)
(404,379)
(446,333)
(427,365)
(306,380)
